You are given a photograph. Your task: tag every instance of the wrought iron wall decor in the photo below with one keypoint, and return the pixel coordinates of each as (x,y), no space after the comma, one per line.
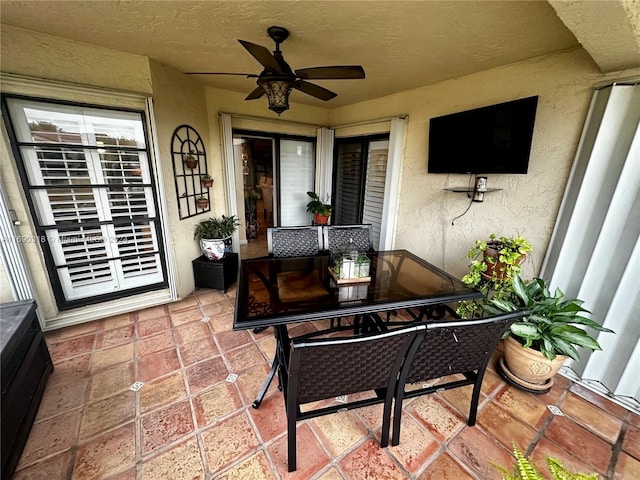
(190,172)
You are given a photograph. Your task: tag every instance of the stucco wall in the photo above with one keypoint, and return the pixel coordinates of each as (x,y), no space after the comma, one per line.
(178,100)
(39,55)
(527,204)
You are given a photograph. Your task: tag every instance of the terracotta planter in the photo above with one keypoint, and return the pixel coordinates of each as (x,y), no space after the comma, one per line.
(208,183)
(190,162)
(528,368)
(320,219)
(202,203)
(497,265)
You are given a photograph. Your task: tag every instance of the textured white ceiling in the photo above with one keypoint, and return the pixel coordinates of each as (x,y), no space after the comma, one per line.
(400,44)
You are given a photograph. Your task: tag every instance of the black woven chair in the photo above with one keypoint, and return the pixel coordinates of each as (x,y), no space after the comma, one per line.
(324,368)
(336,236)
(450,348)
(294,241)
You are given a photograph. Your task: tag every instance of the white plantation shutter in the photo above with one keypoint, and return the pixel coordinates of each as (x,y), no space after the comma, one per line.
(374,188)
(88,176)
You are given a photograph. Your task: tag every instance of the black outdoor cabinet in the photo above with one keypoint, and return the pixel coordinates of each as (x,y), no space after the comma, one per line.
(216,274)
(26,365)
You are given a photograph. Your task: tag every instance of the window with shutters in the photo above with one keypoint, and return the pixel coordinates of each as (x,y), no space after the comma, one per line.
(360,169)
(88,180)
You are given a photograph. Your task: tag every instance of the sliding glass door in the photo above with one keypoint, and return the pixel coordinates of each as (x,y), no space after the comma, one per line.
(360,171)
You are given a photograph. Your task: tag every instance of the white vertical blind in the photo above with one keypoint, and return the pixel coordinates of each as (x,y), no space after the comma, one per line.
(297,175)
(594,253)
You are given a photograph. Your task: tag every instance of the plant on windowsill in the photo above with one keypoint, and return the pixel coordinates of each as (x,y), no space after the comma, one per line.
(525,469)
(494,263)
(321,210)
(215,235)
(537,346)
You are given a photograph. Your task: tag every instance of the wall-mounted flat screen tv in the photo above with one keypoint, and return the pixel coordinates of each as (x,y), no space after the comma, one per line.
(493,139)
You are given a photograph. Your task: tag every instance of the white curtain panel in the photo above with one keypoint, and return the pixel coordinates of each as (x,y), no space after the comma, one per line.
(594,253)
(397,134)
(226,136)
(324,161)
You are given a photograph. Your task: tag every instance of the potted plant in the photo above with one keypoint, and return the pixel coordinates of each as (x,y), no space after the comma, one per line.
(202,202)
(207,180)
(494,264)
(215,234)
(537,346)
(321,210)
(524,469)
(190,161)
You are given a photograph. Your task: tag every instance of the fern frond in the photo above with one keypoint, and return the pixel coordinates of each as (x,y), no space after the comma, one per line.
(559,472)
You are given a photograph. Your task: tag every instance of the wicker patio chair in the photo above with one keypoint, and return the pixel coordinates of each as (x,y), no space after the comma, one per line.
(449,348)
(294,241)
(337,365)
(336,236)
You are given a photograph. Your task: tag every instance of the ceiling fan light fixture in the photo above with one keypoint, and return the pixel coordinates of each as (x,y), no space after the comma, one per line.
(278,91)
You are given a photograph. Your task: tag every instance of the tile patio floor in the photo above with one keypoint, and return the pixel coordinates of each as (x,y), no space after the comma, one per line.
(188,422)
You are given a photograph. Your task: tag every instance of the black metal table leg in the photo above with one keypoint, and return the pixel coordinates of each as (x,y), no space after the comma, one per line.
(265,386)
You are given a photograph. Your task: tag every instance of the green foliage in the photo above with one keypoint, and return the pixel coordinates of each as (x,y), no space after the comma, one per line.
(524,469)
(318,206)
(250,201)
(509,253)
(550,327)
(216,227)
(206,176)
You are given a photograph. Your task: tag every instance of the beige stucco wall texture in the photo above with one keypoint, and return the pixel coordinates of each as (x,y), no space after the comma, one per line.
(527,204)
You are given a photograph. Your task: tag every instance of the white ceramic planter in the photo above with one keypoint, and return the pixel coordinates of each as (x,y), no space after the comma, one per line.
(213,248)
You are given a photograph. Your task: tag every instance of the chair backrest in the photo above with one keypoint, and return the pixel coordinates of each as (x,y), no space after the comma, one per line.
(458,347)
(450,348)
(330,367)
(294,241)
(336,236)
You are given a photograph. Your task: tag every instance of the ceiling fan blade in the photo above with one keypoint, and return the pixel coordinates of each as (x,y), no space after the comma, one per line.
(257,93)
(248,75)
(338,72)
(262,54)
(314,90)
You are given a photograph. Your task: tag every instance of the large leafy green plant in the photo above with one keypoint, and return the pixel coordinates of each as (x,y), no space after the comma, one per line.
(316,205)
(222,227)
(551,327)
(524,469)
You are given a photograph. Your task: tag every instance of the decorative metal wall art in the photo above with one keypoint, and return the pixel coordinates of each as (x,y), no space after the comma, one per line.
(190,172)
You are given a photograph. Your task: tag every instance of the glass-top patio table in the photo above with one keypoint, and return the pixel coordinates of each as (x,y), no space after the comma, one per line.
(398,280)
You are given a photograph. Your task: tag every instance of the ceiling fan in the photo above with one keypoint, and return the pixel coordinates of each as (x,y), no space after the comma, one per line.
(277,79)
